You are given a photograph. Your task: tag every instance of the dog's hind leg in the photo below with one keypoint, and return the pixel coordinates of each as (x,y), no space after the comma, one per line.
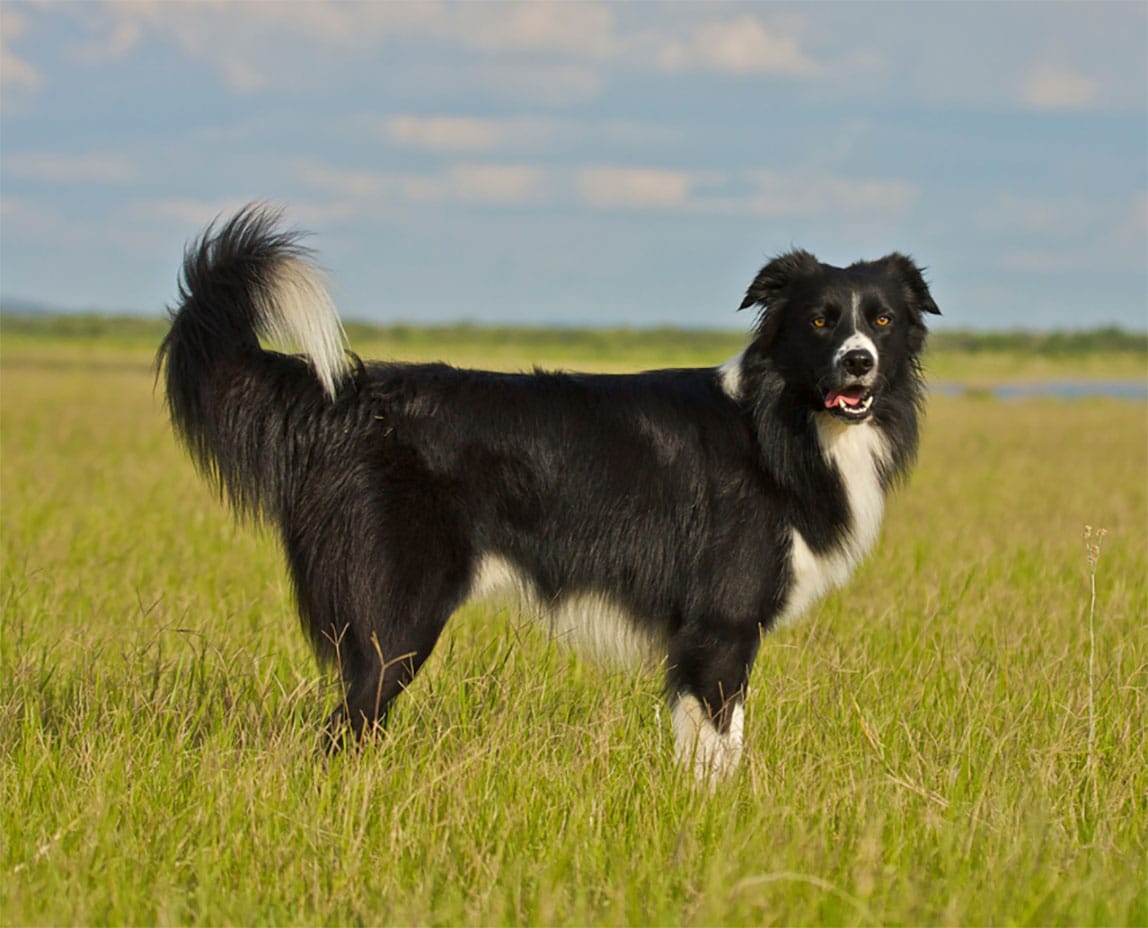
(396,611)
(707,682)
(382,669)
(379,565)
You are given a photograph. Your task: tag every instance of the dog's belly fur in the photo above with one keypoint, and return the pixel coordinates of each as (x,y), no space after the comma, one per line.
(592,622)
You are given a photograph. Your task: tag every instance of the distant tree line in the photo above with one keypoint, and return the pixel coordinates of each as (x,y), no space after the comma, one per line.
(587,341)
(1107,340)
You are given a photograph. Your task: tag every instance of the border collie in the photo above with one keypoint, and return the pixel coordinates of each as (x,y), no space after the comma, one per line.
(672,515)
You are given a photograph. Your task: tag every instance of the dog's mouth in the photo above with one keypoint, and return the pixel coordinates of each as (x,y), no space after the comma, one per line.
(850,403)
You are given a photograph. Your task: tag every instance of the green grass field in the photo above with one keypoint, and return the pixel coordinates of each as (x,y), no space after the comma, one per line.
(919,749)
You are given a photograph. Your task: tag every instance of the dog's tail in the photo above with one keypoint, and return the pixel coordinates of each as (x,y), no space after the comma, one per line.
(238,408)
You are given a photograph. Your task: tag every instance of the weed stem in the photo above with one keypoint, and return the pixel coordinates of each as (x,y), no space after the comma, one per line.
(1093,541)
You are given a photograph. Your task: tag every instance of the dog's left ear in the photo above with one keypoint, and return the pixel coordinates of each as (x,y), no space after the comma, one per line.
(913,279)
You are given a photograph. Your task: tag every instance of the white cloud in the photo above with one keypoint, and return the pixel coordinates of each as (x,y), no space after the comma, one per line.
(249,42)
(556,53)
(123,35)
(447,133)
(782,193)
(578,29)
(1135,223)
(1033,261)
(252,46)
(1058,215)
(739,46)
(542,52)
(16,74)
(71,169)
(187,212)
(488,184)
(459,134)
(504,185)
(551,53)
(362,185)
(494,184)
(1067,232)
(1058,87)
(453,134)
(612,187)
(549,83)
(617,187)
(203,27)
(1029,214)
(30,216)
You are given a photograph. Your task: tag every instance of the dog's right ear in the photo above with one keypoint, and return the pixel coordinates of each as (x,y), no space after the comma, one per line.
(769,287)
(773,279)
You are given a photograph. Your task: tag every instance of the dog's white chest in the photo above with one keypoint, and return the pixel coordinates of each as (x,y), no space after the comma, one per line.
(857,452)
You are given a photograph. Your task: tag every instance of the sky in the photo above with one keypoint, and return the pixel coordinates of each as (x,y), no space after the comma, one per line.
(584,163)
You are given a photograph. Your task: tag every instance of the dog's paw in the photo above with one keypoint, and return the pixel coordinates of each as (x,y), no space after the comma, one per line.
(713,755)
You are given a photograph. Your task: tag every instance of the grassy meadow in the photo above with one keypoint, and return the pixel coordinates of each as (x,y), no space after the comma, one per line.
(956,738)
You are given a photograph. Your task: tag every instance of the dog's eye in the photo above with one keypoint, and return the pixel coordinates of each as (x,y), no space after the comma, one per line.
(818,322)
(883,320)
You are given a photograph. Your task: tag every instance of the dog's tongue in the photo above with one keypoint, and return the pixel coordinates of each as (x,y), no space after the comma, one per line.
(851,398)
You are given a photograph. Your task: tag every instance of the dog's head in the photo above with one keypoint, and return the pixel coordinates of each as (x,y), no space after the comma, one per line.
(841,336)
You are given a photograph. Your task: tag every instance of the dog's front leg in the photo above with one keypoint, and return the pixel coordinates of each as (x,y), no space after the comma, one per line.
(707,685)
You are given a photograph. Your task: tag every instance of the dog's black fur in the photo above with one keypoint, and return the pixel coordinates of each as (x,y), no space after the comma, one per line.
(676,496)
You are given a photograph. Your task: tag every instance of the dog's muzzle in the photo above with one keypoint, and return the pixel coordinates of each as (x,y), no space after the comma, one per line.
(854,375)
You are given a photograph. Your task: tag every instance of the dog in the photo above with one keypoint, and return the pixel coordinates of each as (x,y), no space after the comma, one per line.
(671,515)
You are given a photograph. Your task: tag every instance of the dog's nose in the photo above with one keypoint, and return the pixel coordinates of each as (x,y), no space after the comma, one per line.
(857,362)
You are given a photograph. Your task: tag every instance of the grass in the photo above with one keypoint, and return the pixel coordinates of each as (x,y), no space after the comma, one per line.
(920,750)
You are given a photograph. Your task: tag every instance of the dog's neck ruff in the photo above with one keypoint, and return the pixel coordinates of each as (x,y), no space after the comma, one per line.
(858,453)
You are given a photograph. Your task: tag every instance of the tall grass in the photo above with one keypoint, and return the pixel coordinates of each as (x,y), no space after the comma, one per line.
(1093,543)
(944,742)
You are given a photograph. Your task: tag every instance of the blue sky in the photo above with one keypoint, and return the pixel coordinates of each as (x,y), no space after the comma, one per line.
(585,163)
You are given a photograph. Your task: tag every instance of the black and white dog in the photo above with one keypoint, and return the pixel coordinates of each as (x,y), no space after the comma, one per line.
(673,514)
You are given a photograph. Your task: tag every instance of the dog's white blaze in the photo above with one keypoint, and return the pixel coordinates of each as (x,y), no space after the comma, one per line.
(296,313)
(591,622)
(857,341)
(698,744)
(729,376)
(857,452)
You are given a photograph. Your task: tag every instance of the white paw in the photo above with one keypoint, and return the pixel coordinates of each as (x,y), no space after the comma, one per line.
(698,744)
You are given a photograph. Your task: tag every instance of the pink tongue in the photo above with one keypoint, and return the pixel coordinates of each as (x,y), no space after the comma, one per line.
(834,396)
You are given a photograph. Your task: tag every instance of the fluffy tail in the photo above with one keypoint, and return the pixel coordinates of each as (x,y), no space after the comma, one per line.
(237,407)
